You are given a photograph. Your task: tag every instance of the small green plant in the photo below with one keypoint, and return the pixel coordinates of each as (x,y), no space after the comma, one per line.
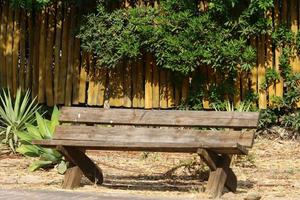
(14,114)
(228,106)
(44,130)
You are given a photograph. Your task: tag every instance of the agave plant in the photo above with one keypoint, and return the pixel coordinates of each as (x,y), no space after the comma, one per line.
(44,130)
(14,114)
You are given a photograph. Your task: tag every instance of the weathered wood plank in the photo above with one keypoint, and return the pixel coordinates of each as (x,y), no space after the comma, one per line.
(148,146)
(152,135)
(160,117)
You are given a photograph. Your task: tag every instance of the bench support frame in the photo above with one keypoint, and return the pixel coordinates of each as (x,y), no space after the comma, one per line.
(221,174)
(81,164)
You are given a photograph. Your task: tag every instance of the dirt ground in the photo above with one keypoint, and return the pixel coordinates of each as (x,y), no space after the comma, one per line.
(271,170)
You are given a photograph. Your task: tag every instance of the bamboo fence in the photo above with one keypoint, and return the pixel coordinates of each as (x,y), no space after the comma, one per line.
(39,51)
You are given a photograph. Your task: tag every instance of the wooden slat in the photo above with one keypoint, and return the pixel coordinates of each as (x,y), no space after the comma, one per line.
(155,147)
(189,137)
(160,117)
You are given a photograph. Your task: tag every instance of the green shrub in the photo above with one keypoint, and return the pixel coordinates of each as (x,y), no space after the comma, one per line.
(44,130)
(14,114)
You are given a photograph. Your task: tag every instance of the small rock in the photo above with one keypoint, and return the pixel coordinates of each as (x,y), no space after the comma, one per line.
(253,196)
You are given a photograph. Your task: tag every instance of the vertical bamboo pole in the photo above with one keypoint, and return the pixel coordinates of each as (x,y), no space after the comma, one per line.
(254,86)
(127,84)
(279,84)
(35,55)
(57,51)
(101,86)
(9,50)
(49,56)
(155,91)
(148,82)
(76,72)
(70,66)
(171,96)
(83,78)
(163,89)
(64,59)
(269,61)
(15,51)
(177,95)
(185,89)
(295,61)
(42,57)
(92,97)
(238,86)
(262,98)
(3,29)
(23,41)
(138,83)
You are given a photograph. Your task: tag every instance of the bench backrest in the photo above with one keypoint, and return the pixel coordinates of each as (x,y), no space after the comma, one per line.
(170,118)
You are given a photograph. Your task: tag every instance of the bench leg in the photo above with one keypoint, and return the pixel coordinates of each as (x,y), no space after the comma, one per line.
(72,178)
(84,163)
(221,174)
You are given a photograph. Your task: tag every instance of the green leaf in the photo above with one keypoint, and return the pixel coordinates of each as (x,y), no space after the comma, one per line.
(29,150)
(39,164)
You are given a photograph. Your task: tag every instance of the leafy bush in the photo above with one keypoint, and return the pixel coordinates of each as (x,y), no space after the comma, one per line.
(283,110)
(179,35)
(44,130)
(14,115)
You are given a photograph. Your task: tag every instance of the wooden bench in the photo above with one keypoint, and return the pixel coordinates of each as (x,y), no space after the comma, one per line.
(141,130)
